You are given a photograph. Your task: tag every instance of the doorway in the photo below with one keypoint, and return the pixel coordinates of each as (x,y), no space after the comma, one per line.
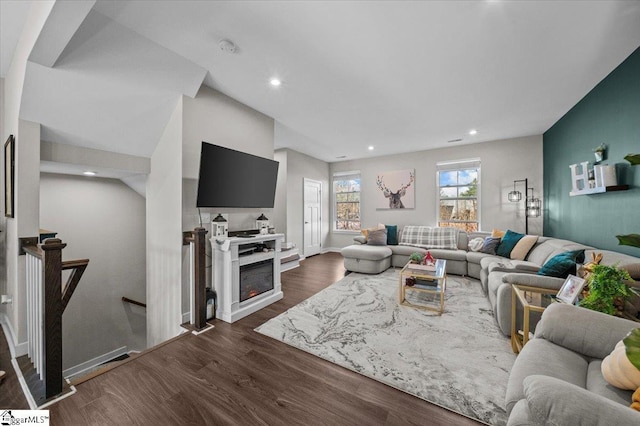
(312,233)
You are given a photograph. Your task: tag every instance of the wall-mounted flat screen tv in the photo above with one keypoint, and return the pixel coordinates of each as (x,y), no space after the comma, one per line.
(230,178)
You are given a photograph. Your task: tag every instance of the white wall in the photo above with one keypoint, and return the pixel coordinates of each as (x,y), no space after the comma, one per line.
(503,162)
(164,234)
(102,220)
(218,119)
(299,167)
(3,220)
(27,134)
(279,214)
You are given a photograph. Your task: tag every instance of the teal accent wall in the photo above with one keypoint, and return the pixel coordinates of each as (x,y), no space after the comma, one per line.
(610,113)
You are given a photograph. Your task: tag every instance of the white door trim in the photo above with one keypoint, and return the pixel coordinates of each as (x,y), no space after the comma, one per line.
(313,250)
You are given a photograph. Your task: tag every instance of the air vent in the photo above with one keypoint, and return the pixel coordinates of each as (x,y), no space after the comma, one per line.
(454,140)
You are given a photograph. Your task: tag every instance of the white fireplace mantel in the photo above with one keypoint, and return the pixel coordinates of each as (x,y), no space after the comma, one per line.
(226,275)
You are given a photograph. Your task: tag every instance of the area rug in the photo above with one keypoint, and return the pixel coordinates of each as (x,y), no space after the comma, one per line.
(459,361)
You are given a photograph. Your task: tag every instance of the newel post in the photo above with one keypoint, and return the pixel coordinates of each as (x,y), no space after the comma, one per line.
(52,261)
(200,278)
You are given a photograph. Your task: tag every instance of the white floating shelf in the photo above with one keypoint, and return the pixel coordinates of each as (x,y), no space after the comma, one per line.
(599,190)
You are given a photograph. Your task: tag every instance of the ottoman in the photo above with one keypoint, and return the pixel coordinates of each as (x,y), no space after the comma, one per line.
(366,259)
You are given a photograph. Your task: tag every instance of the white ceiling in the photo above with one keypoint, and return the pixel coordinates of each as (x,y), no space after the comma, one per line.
(401,76)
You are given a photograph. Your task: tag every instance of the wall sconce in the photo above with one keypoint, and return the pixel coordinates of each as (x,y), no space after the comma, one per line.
(532,205)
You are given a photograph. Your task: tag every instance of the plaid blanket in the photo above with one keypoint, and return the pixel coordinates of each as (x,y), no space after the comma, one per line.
(429,238)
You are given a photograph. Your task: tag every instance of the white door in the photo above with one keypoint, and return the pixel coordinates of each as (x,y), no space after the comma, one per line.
(312,219)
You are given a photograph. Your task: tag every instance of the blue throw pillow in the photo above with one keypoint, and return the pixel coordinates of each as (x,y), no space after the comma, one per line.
(490,245)
(508,242)
(392,235)
(562,265)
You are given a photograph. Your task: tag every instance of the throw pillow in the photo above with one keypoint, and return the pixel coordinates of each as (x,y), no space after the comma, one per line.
(523,247)
(377,237)
(562,265)
(366,231)
(476,244)
(392,235)
(490,245)
(496,233)
(509,241)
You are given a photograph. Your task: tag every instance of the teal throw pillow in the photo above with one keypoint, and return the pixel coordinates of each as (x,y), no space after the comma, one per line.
(562,265)
(509,241)
(392,235)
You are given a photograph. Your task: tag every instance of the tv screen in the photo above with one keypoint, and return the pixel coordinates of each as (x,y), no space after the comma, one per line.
(230,178)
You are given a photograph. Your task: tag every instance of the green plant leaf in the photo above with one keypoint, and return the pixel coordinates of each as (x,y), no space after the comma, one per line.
(632,240)
(632,347)
(634,159)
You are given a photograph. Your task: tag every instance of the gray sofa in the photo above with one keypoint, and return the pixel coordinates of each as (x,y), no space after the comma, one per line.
(496,274)
(556,378)
(361,257)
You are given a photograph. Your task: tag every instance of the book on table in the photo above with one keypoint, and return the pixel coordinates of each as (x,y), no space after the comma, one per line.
(426,284)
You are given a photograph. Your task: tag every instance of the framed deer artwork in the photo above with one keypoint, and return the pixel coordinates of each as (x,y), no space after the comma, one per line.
(396,190)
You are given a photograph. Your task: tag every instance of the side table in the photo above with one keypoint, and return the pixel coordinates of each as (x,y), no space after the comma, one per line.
(532,299)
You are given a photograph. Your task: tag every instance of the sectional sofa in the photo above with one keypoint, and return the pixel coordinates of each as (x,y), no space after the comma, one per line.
(556,378)
(496,273)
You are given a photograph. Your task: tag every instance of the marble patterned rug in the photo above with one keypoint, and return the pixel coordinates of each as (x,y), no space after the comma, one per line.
(459,360)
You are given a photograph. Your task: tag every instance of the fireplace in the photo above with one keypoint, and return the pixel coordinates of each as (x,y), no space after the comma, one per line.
(232,263)
(255,279)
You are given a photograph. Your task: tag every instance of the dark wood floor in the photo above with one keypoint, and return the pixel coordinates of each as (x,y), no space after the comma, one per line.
(11,395)
(232,375)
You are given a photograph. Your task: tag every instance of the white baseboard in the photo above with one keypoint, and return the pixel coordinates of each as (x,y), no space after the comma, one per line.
(186,317)
(94,362)
(16,349)
(331,249)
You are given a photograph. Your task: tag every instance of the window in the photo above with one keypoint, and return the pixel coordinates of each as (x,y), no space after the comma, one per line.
(346,196)
(458,190)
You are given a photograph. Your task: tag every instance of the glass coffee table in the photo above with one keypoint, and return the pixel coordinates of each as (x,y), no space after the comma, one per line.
(431,283)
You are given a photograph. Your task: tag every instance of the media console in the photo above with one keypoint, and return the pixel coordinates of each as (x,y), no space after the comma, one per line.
(246,274)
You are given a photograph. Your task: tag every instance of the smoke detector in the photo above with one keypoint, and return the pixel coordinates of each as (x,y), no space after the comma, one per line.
(227,46)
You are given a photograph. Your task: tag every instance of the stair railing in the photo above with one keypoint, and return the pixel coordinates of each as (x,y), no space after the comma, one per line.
(198,276)
(46,301)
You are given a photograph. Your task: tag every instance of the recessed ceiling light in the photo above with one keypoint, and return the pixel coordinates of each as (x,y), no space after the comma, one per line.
(275,82)
(473,131)
(89,173)
(371,148)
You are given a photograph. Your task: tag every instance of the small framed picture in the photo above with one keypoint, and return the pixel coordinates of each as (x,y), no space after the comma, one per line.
(570,289)
(9,175)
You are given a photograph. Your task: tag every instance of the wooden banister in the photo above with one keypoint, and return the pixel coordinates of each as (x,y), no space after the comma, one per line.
(33,251)
(52,264)
(197,237)
(55,301)
(133,302)
(77,267)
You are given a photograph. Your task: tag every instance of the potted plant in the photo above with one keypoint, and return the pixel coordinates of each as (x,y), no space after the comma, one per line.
(633,159)
(416,257)
(607,290)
